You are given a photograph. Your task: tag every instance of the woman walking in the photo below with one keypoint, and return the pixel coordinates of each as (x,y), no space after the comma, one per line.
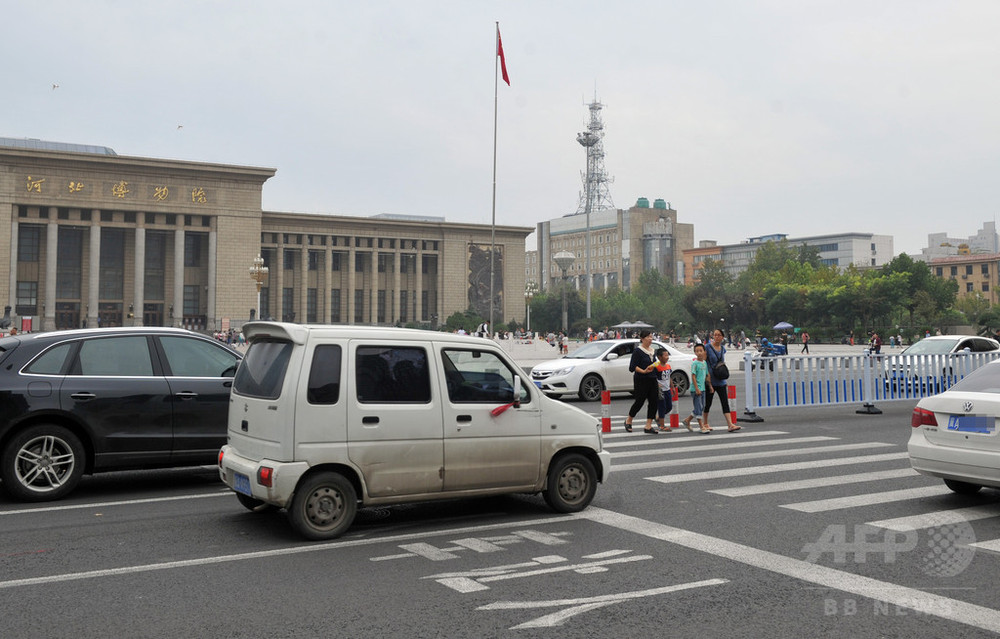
(643,368)
(718,373)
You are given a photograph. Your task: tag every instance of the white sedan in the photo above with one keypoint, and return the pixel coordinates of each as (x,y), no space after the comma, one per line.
(603,365)
(954,435)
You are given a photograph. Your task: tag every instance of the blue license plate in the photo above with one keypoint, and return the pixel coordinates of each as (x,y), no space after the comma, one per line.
(538,384)
(241,484)
(972,423)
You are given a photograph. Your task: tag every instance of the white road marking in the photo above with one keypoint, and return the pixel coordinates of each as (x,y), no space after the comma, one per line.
(868,499)
(632,440)
(585,604)
(938,518)
(710,459)
(108,504)
(776,468)
(475,580)
(729,442)
(990,545)
(902,596)
(818,482)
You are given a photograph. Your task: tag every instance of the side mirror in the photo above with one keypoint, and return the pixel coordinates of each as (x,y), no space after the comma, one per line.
(517,391)
(611,356)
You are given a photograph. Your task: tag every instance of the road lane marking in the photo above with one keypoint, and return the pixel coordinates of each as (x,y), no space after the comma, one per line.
(901,596)
(868,499)
(818,482)
(633,440)
(586,604)
(731,442)
(776,468)
(106,504)
(709,459)
(938,518)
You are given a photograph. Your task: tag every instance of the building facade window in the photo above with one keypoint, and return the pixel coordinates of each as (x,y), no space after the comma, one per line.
(193,249)
(359,306)
(192,300)
(155,268)
(288,304)
(27,298)
(112,282)
(69,265)
(28,241)
(335,306)
(311,299)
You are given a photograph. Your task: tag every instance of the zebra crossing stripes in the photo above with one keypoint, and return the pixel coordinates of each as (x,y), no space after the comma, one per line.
(817,482)
(728,443)
(775,468)
(622,440)
(711,459)
(938,518)
(869,499)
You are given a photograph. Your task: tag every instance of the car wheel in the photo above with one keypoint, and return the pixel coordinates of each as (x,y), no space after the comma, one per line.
(961,487)
(42,463)
(571,485)
(681,381)
(323,506)
(253,504)
(591,388)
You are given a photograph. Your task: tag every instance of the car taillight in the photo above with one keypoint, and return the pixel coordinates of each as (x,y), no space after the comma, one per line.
(220,458)
(265,476)
(922,417)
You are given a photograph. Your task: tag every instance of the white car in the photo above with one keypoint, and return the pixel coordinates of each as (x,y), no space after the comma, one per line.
(603,365)
(922,368)
(954,435)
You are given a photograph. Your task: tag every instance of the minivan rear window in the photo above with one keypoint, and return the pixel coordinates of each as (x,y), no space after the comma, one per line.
(262,371)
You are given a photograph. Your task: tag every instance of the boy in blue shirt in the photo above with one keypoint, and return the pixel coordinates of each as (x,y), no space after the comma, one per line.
(699,378)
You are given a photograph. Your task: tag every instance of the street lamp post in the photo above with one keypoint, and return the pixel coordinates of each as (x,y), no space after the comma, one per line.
(587,140)
(530,288)
(564,259)
(258,273)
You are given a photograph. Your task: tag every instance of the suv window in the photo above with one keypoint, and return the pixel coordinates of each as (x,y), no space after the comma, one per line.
(392,374)
(50,362)
(191,357)
(478,376)
(114,357)
(263,369)
(324,375)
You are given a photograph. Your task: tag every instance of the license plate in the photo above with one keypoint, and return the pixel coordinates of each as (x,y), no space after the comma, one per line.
(241,484)
(538,384)
(972,423)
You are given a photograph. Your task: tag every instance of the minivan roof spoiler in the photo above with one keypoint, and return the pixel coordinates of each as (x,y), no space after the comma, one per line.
(295,333)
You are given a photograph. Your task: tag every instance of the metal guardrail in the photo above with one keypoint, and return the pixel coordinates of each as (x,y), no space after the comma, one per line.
(817,380)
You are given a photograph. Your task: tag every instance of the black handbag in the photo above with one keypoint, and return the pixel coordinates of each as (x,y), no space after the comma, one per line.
(720,371)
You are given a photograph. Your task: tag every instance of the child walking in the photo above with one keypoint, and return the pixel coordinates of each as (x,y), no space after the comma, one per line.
(666,403)
(699,378)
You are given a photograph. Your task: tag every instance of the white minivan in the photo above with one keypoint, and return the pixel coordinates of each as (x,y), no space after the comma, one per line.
(324,419)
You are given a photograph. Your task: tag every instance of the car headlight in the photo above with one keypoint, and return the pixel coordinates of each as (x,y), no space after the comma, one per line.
(563,371)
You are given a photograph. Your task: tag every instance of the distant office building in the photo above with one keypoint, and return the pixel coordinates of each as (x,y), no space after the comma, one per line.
(977,274)
(841,250)
(91,238)
(624,243)
(940,245)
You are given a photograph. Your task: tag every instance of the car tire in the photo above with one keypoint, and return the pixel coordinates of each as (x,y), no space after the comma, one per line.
(681,381)
(961,487)
(44,462)
(253,504)
(572,482)
(591,388)
(324,506)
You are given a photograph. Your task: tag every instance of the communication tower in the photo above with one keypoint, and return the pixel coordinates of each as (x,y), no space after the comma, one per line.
(596,177)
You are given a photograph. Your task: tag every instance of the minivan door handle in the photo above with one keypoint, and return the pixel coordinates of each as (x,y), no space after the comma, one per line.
(369,420)
(83,397)
(465,418)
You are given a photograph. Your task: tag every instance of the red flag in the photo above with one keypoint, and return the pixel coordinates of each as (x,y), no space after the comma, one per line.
(503,63)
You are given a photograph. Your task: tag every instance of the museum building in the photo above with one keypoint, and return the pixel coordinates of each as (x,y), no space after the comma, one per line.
(92,238)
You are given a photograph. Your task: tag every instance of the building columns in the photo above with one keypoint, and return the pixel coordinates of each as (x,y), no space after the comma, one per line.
(139,285)
(178,277)
(51,264)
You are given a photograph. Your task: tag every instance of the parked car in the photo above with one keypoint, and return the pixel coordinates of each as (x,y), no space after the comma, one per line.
(922,367)
(86,401)
(603,365)
(954,435)
(325,419)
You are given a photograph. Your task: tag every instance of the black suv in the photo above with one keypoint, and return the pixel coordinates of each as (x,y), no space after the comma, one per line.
(87,401)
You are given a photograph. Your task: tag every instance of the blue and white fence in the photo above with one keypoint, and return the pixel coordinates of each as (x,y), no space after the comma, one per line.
(816,380)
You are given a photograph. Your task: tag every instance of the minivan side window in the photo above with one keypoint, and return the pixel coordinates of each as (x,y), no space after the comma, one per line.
(324,375)
(478,376)
(114,357)
(262,372)
(392,374)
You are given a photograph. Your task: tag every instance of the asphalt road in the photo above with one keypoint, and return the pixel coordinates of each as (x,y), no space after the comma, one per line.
(791,527)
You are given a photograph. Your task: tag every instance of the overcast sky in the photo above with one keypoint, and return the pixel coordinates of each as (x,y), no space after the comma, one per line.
(751,118)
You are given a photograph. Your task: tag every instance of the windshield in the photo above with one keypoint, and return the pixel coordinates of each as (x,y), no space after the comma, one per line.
(931,347)
(263,369)
(592,350)
(985,379)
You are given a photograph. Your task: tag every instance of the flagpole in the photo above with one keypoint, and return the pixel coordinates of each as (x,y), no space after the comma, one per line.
(493,220)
